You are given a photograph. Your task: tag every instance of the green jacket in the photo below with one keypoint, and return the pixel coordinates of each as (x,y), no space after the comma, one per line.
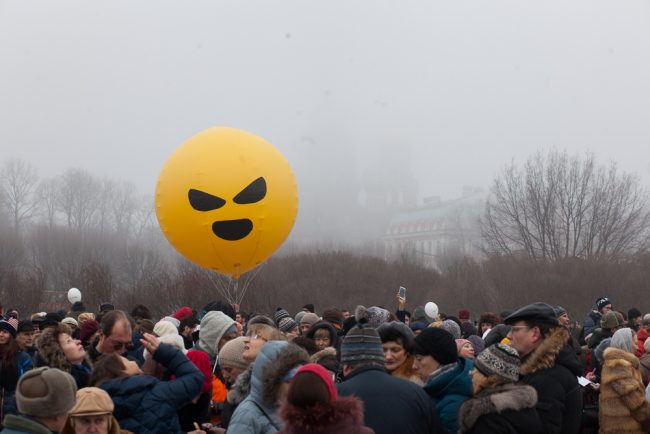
(21,425)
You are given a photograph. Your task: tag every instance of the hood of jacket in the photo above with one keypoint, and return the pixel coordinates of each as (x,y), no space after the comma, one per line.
(327,326)
(553,350)
(267,354)
(213,326)
(127,393)
(242,387)
(344,412)
(456,381)
(496,400)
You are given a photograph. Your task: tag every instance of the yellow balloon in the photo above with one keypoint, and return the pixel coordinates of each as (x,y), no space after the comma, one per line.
(226,199)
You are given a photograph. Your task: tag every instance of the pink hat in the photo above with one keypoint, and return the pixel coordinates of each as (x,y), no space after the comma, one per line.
(461,342)
(323,374)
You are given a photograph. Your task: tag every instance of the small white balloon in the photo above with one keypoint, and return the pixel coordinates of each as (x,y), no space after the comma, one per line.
(74,295)
(431,309)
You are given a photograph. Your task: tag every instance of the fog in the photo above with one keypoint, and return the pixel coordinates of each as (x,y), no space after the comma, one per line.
(363,96)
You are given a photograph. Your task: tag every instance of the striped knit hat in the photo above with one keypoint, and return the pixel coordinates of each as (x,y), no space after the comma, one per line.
(362,344)
(279,315)
(500,360)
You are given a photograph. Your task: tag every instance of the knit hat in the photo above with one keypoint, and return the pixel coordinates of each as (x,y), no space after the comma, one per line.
(309,318)
(182,313)
(287,324)
(333,315)
(374,316)
(609,320)
(45,392)
(559,311)
(299,316)
(477,342)
(87,329)
(202,362)
(279,315)
(460,343)
(25,326)
(214,325)
(602,302)
(92,401)
(10,325)
(70,321)
(451,327)
(164,327)
(362,344)
(324,375)
(437,343)
(500,360)
(231,354)
(463,314)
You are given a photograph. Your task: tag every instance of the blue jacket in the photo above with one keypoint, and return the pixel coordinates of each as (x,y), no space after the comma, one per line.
(146,405)
(9,379)
(448,390)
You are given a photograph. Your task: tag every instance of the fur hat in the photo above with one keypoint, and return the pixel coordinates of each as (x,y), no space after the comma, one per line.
(500,360)
(92,401)
(231,354)
(10,326)
(45,392)
(374,316)
(333,315)
(362,344)
(391,328)
(437,343)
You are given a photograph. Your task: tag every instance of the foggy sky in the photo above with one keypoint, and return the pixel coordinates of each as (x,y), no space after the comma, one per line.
(447,92)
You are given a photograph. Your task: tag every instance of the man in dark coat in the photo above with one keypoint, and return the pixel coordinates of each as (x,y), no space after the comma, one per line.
(549,365)
(392,405)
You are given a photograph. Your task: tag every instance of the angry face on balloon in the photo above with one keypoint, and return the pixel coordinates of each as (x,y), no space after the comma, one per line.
(226,199)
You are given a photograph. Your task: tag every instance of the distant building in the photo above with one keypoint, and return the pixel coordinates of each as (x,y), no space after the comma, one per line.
(437,230)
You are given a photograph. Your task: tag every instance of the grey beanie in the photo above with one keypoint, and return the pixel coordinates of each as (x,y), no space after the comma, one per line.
(45,392)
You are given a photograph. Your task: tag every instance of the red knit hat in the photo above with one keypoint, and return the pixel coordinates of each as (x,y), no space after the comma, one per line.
(323,374)
(202,361)
(182,313)
(463,314)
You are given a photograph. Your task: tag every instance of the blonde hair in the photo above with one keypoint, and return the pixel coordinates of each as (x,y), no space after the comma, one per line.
(271,333)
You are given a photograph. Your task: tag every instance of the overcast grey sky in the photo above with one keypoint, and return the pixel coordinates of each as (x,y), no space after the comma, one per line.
(449,91)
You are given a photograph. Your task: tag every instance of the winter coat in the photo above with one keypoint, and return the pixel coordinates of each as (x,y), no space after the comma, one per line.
(641,336)
(622,404)
(597,336)
(504,409)
(327,358)
(8,381)
(22,425)
(391,405)
(592,321)
(552,369)
(56,359)
(448,389)
(406,371)
(145,405)
(237,393)
(343,416)
(257,414)
(644,367)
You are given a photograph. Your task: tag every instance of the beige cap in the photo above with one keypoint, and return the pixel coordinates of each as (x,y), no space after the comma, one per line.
(92,401)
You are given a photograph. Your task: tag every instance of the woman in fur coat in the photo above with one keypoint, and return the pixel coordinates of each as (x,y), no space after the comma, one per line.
(499,405)
(397,340)
(313,406)
(622,404)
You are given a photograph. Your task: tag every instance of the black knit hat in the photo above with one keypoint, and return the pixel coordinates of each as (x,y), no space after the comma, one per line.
(279,315)
(437,343)
(362,344)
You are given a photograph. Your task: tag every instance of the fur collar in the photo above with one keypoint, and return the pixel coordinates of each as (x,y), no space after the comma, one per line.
(495,400)
(326,352)
(347,411)
(613,354)
(543,357)
(242,387)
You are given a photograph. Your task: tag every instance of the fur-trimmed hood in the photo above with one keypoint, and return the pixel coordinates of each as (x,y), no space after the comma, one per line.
(51,354)
(340,416)
(553,350)
(242,387)
(495,400)
(322,354)
(273,373)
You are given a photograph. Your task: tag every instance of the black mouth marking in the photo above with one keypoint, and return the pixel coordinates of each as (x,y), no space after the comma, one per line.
(232,230)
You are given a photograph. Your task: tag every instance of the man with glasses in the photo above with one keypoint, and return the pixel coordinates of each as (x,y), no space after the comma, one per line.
(115,336)
(549,365)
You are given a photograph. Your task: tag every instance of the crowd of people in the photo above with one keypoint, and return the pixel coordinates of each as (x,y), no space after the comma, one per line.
(372,370)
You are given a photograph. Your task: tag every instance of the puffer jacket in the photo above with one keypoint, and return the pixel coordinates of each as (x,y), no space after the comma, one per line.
(257,414)
(448,389)
(503,409)
(146,405)
(552,369)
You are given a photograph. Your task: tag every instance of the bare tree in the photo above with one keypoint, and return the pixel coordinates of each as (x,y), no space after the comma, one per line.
(46,195)
(558,206)
(17,183)
(79,195)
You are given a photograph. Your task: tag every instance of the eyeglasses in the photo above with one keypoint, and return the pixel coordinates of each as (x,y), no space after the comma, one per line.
(119,345)
(255,336)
